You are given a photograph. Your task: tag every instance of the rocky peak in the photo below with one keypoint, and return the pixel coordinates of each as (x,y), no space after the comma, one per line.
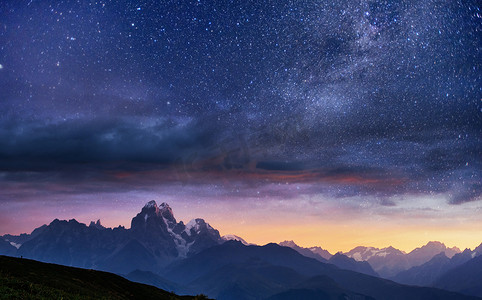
(478,250)
(197,226)
(321,252)
(151,204)
(430,247)
(164,211)
(290,244)
(97,225)
(423,254)
(231,237)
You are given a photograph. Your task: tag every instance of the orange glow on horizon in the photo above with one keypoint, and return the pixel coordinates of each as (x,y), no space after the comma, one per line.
(335,237)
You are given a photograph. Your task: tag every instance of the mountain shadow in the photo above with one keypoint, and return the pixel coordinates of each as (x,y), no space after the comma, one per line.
(236,271)
(28,279)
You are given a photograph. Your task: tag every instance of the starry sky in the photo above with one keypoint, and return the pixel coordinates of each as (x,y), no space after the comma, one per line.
(332,123)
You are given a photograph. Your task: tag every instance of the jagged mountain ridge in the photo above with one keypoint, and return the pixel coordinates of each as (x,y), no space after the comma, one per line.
(305,251)
(340,260)
(154,240)
(236,271)
(429,272)
(465,278)
(389,261)
(321,252)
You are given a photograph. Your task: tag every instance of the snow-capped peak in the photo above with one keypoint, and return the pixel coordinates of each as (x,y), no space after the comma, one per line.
(232,237)
(196,225)
(150,204)
(193,224)
(290,244)
(163,210)
(365,253)
(164,205)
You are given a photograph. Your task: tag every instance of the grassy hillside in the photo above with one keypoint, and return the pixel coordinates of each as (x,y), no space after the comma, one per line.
(29,279)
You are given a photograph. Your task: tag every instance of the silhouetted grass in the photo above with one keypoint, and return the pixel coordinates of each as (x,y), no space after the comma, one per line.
(29,279)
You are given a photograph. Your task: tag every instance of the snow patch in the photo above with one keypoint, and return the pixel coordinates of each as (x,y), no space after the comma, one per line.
(150,204)
(15,245)
(232,237)
(181,245)
(357,256)
(192,224)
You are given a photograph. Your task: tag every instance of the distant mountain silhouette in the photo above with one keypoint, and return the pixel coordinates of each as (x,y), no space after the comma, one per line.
(154,240)
(193,258)
(235,271)
(386,262)
(423,254)
(389,261)
(344,262)
(465,279)
(461,273)
(340,260)
(427,273)
(304,251)
(231,237)
(321,252)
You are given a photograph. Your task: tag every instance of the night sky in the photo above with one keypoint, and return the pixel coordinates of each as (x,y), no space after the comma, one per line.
(332,123)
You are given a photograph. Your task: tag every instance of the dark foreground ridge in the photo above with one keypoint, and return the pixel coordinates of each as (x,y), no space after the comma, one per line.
(29,279)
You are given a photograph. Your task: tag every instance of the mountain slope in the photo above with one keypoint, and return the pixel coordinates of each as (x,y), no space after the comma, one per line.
(389,261)
(303,251)
(340,260)
(255,279)
(347,263)
(231,237)
(150,278)
(72,243)
(212,269)
(28,279)
(318,288)
(6,248)
(427,273)
(321,252)
(154,240)
(386,262)
(234,252)
(423,254)
(465,279)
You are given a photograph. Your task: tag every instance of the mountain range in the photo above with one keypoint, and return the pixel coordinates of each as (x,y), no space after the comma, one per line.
(461,273)
(154,240)
(193,258)
(390,261)
(339,259)
(236,271)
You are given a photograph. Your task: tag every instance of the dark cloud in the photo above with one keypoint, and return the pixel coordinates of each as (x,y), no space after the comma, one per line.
(370,98)
(36,144)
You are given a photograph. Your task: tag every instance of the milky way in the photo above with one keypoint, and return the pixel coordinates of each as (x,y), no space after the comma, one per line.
(369,103)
